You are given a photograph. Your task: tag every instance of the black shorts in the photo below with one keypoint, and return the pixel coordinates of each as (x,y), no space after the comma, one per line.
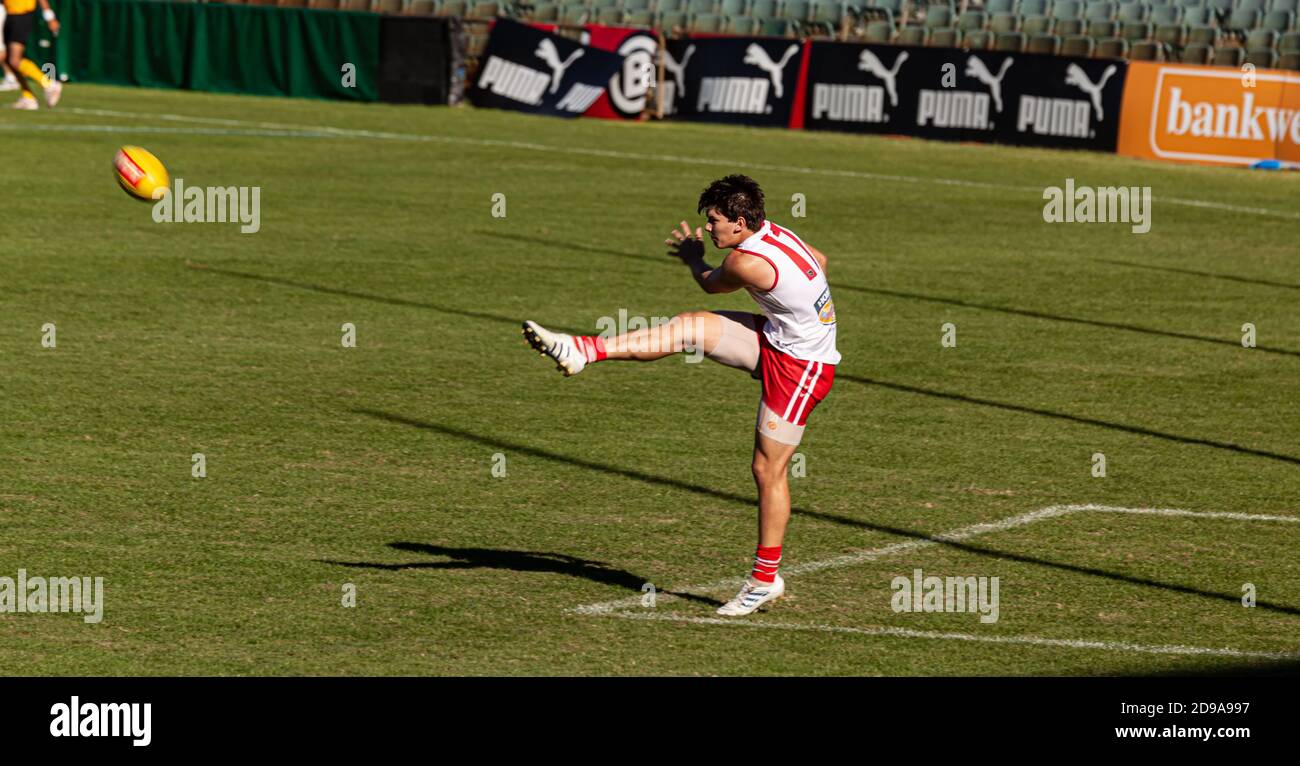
(18,27)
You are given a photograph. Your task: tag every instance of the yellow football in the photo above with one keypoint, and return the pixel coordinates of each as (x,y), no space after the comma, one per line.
(139,172)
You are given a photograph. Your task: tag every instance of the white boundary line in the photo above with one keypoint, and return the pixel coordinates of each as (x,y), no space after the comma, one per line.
(288,130)
(619,607)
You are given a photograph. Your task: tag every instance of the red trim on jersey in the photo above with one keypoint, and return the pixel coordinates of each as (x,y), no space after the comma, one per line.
(786,232)
(775,270)
(804,266)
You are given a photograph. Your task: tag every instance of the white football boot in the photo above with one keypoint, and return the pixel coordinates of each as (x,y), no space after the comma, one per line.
(26,104)
(569,359)
(9,83)
(753,594)
(53,92)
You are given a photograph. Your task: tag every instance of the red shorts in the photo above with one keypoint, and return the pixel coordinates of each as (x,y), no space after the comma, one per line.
(791,387)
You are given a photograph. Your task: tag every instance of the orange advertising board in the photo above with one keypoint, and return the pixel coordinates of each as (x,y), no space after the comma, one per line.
(1212,115)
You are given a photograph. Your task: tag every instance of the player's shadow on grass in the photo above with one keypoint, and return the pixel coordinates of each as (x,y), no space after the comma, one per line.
(1057,318)
(1206,274)
(326,290)
(516,561)
(749,501)
(1138,430)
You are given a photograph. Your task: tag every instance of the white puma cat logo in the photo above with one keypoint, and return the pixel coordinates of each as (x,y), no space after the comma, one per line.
(546,52)
(975,68)
(755,55)
(678,71)
(868,62)
(1074,75)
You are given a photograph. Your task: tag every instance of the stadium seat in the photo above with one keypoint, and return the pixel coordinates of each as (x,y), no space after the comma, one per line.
(1068,27)
(828,14)
(1289,43)
(1251,5)
(645,19)
(797,10)
(1009,42)
(1067,9)
(574,14)
(1243,19)
(632,6)
(1232,57)
(993,7)
(599,5)
(972,20)
(1262,58)
(1261,38)
(421,8)
(1099,29)
(1112,48)
(1146,50)
(1034,7)
(386,6)
(948,37)
(671,20)
(1278,21)
(451,8)
(1100,10)
(1004,22)
(744,26)
(1285,5)
(323,5)
(937,16)
(546,13)
(775,27)
(1037,25)
(484,10)
(1048,44)
(1289,61)
(1131,12)
(1080,46)
(1222,7)
(913,35)
(879,32)
(610,17)
(1136,30)
(765,9)
(356,6)
(706,23)
(1196,16)
(729,8)
(1166,14)
(1196,54)
(977,40)
(1174,35)
(1206,35)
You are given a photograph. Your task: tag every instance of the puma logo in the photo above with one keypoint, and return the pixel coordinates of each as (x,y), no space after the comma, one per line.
(975,68)
(1074,75)
(758,57)
(868,62)
(547,52)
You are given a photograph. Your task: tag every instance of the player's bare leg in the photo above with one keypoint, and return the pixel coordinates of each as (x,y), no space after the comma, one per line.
(771,459)
(691,332)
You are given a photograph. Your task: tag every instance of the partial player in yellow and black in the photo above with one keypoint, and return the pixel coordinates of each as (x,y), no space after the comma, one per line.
(20,19)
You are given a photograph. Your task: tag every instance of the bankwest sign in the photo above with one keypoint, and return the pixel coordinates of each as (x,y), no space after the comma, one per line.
(1210,115)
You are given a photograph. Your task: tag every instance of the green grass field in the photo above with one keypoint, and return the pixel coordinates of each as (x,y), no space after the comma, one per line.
(373,465)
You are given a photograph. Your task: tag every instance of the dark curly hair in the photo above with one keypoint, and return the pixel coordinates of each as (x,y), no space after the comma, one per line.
(735,197)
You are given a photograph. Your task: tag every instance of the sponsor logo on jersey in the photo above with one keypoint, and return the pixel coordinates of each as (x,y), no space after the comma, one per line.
(825,307)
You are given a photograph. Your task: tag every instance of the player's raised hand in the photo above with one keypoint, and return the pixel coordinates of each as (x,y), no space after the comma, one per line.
(684,245)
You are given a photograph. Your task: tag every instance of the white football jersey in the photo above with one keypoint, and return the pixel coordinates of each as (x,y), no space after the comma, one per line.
(800,313)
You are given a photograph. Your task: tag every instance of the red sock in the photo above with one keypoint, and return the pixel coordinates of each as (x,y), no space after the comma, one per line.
(766,560)
(591,346)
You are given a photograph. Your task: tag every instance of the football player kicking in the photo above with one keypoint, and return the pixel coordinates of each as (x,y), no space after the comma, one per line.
(19,21)
(790,347)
